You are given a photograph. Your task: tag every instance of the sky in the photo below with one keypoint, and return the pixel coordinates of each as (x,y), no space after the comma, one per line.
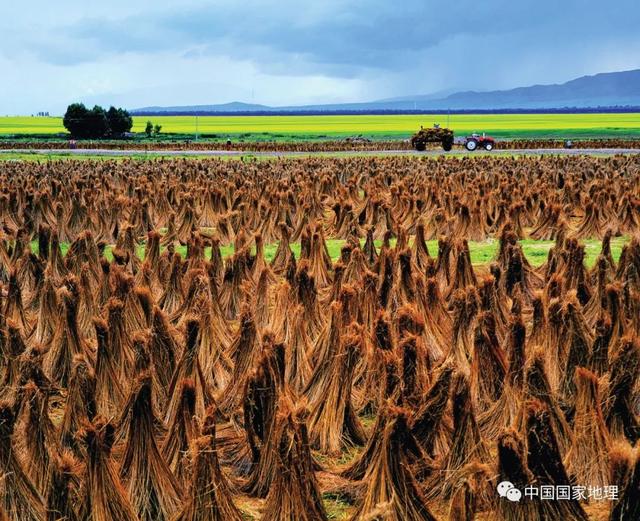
(137,53)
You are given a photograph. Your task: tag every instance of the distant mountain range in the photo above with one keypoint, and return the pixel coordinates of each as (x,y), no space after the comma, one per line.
(605,90)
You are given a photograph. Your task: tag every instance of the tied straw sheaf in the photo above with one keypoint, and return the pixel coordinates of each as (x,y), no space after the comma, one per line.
(151,385)
(293,143)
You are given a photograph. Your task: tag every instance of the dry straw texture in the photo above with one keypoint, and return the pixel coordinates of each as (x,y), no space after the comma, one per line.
(163,359)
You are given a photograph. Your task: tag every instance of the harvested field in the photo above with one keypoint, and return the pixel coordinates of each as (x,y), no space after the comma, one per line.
(320,338)
(343,145)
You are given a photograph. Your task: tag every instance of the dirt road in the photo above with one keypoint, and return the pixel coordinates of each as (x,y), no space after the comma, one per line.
(238,153)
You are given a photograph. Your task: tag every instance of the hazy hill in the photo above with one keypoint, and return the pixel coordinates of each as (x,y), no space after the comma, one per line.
(612,89)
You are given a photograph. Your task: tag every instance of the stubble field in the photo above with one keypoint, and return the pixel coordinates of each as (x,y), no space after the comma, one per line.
(362,338)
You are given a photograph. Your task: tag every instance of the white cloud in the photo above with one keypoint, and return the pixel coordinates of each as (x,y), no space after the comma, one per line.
(145,52)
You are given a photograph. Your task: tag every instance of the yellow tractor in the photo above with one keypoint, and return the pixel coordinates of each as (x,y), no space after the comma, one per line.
(435,134)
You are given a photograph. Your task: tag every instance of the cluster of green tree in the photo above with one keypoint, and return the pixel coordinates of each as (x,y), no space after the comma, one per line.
(152,130)
(96,123)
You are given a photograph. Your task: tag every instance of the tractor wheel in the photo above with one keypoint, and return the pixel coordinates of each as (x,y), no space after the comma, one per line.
(420,146)
(471,145)
(447,145)
(488,146)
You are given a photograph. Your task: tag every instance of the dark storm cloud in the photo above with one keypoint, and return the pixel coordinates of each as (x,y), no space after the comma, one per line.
(349,36)
(324,50)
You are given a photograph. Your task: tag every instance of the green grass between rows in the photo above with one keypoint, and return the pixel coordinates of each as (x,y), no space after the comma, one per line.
(481,252)
(139,156)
